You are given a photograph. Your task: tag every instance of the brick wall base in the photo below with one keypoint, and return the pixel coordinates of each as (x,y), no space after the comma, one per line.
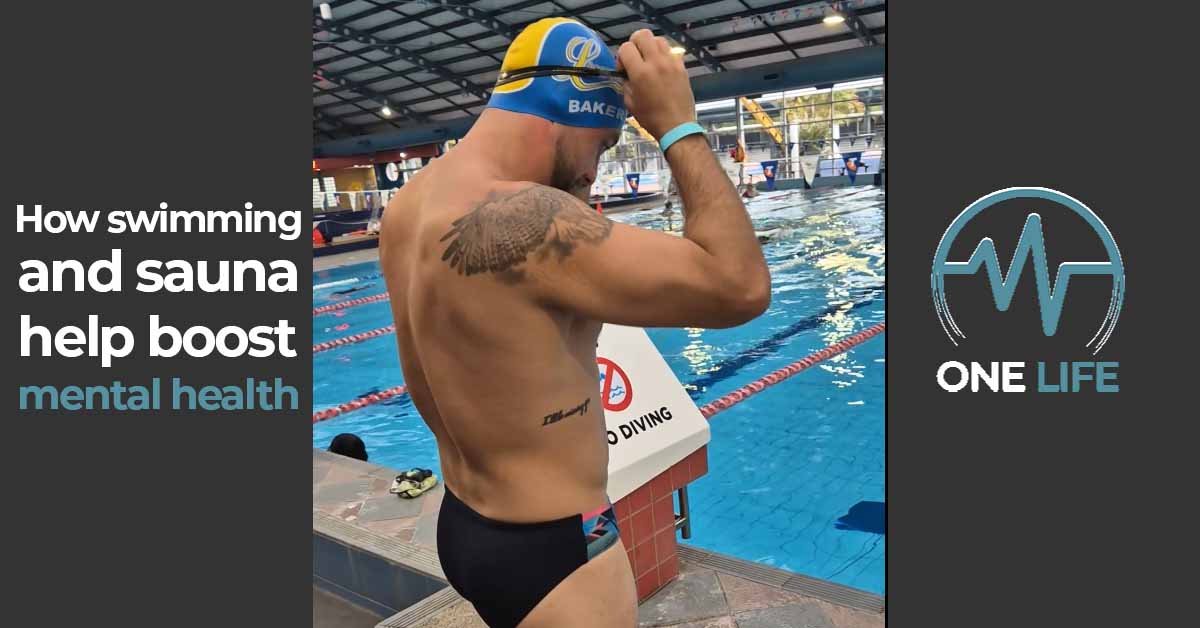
(646,518)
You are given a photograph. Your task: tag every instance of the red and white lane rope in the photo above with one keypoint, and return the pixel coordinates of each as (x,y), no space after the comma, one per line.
(353,338)
(708,410)
(770,379)
(349,406)
(351,303)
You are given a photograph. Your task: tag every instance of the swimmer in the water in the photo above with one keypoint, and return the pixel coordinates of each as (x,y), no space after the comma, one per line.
(349,445)
(342,293)
(750,191)
(501,276)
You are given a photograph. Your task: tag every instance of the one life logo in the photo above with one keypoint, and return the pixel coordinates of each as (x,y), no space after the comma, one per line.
(984,264)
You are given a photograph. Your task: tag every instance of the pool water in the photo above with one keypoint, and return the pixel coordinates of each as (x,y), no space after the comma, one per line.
(796,473)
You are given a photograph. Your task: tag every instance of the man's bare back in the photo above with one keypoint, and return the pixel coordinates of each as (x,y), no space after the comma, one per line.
(500,277)
(508,386)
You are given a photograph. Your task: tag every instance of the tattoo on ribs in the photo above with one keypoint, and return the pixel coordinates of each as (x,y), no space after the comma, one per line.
(502,232)
(559,415)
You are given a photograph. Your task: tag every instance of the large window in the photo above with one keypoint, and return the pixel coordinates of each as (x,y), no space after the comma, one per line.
(826,122)
(323,188)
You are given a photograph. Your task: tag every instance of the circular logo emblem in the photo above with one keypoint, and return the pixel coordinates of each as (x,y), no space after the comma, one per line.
(1030,247)
(616,392)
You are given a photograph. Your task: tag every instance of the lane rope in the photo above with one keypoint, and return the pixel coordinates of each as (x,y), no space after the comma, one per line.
(366,400)
(708,410)
(774,377)
(317,311)
(352,339)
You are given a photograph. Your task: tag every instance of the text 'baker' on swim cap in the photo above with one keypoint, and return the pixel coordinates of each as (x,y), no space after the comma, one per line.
(560,70)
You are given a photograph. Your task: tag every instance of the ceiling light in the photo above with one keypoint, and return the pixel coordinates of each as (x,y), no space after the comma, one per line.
(716,104)
(326,11)
(834,18)
(859,84)
(386,111)
(677,50)
(402,156)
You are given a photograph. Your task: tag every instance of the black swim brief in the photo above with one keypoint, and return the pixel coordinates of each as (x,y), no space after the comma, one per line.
(505,569)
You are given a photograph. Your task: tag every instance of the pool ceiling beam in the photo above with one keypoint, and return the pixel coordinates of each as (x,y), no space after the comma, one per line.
(362,129)
(855,23)
(672,30)
(831,39)
(834,67)
(342,81)
(479,16)
(707,44)
(338,28)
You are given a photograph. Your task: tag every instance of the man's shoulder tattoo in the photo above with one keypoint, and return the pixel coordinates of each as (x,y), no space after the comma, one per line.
(501,232)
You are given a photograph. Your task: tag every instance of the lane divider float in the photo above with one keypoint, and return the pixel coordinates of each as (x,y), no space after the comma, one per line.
(366,400)
(774,377)
(317,311)
(352,339)
(708,410)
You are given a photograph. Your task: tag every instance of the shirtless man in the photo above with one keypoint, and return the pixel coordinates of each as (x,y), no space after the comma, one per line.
(501,276)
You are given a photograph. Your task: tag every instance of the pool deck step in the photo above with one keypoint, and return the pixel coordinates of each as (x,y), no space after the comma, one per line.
(712,591)
(365,537)
(801,584)
(348,258)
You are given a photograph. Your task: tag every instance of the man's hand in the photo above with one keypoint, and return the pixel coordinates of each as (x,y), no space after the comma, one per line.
(714,276)
(658,92)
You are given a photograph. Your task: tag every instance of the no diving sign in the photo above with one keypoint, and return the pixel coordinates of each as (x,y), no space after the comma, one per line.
(653,429)
(615,389)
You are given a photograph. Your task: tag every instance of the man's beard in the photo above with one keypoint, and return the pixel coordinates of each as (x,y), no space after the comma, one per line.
(564,179)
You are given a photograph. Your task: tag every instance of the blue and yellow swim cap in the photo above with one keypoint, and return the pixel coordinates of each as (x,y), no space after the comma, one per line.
(570,76)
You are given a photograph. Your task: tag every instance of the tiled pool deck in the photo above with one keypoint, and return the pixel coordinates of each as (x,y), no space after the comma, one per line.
(699,598)
(345,259)
(351,502)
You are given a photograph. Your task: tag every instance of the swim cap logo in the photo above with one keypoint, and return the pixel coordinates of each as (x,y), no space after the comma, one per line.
(1031,244)
(582,52)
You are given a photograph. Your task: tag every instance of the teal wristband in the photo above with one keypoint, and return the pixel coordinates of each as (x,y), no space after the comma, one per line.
(678,133)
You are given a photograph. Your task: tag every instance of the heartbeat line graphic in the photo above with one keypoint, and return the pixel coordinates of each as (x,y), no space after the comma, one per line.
(1031,244)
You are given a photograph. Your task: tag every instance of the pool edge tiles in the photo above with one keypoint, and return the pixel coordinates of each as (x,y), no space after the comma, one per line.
(712,590)
(350,498)
(826,590)
(338,260)
(348,511)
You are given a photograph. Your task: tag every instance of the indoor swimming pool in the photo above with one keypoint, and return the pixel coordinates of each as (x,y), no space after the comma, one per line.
(796,473)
